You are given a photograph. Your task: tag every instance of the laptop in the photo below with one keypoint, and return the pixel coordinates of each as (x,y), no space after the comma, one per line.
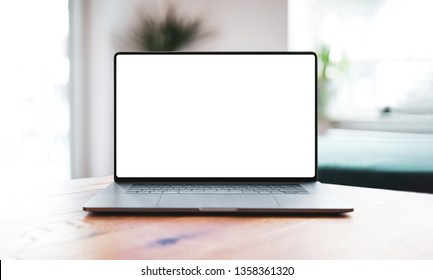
(204,132)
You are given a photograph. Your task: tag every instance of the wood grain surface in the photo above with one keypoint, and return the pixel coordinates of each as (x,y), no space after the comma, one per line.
(48,223)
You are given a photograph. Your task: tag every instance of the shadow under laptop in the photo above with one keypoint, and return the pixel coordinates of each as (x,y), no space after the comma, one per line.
(91,215)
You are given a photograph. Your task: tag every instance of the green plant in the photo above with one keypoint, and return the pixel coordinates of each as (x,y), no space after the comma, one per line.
(171,33)
(326,90)
(325,62)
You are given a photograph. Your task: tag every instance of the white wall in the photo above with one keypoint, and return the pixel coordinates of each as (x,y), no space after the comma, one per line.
(303,20)
(100,28)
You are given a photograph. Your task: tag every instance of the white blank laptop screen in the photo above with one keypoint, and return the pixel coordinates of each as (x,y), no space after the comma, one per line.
(215,115)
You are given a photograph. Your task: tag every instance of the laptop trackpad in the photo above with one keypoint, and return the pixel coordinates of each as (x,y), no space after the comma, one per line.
(217,201)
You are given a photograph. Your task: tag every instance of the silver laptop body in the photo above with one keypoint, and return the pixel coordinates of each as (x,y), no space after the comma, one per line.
(232,132)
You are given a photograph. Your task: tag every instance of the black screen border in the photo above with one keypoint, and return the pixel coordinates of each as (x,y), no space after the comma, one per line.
(214,179)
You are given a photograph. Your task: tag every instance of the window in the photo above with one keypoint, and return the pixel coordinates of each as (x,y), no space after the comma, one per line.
(380,52)
(34,111)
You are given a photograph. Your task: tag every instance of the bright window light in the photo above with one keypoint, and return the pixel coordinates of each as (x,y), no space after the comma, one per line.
(380,52)
(34,107)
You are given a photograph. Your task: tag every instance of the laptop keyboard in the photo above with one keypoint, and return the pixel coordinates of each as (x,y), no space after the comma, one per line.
(218,189)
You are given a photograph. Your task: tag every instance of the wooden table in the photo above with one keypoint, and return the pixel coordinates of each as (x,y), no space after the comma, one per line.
(48,223)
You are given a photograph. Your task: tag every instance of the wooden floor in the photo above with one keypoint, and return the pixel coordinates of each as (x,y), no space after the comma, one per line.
(48,223)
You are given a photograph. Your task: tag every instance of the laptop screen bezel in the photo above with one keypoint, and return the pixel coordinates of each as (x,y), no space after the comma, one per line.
(216,179)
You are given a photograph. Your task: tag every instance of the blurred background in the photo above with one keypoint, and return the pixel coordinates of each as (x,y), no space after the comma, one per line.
(56,113)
